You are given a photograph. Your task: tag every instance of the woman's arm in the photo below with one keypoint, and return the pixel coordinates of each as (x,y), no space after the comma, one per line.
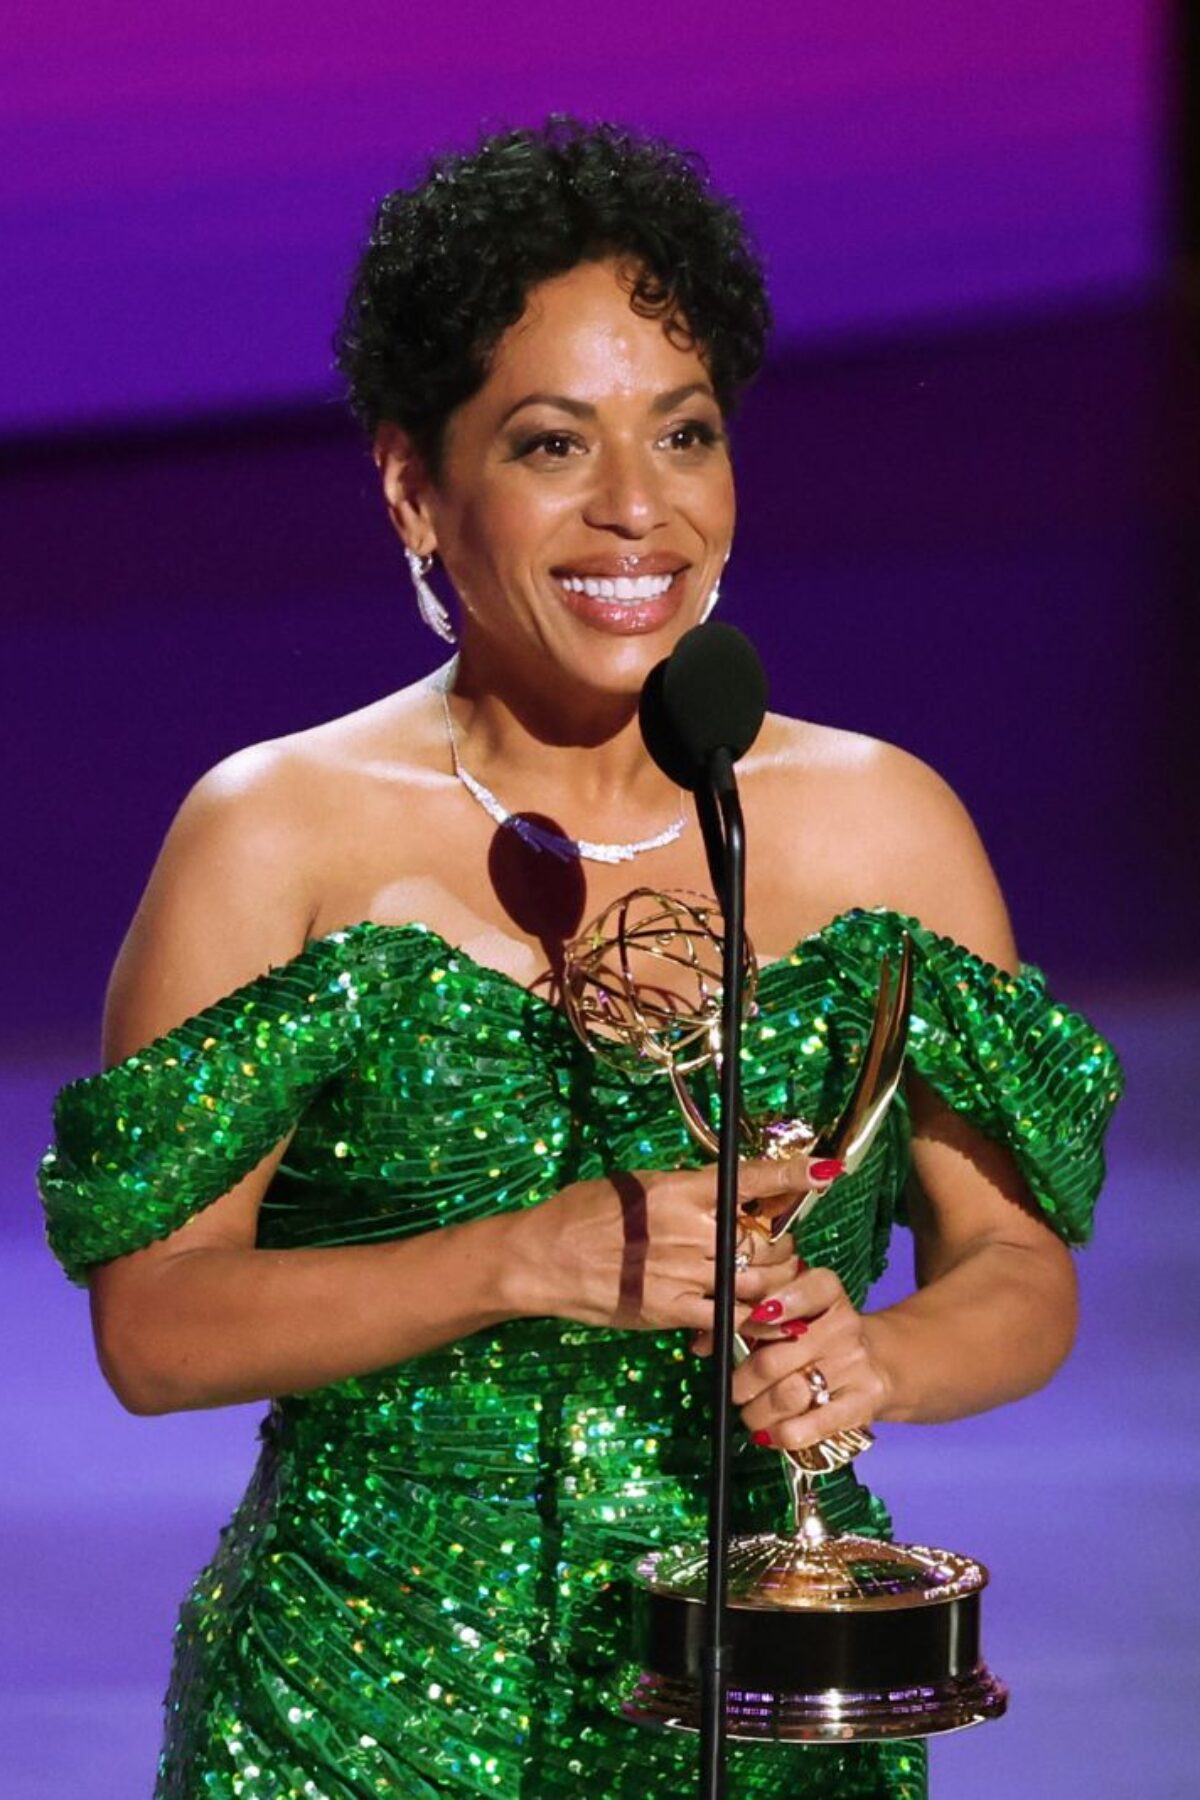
(204,1319)
(992,1320)
(994,1313)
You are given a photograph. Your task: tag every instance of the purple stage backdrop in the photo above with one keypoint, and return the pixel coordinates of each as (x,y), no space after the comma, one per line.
(182,187)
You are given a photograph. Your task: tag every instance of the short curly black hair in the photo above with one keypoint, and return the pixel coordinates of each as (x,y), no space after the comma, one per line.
(451,260)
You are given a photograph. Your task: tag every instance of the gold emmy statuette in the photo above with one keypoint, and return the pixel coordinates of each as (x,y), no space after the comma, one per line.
(834,1637)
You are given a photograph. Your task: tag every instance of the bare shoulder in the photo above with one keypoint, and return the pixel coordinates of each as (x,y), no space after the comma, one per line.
(259,823)
(886,829)
(238,880)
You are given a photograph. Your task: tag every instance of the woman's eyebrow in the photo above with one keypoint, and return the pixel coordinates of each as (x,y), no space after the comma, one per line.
(581,409)
(667,402)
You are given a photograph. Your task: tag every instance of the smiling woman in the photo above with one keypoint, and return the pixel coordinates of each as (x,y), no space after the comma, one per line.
(348,1155)
(579,518)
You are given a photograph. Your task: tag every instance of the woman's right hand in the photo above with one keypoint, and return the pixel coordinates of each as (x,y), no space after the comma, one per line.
(637,1250)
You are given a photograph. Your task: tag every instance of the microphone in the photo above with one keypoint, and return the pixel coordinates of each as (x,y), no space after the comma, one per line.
(703,706)
(700,710)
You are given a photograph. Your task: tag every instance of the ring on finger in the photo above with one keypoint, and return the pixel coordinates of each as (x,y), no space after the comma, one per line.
(744,1255)
(818,1387)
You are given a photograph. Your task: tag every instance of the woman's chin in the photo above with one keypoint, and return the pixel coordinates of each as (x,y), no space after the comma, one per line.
(612,663)
(590,646)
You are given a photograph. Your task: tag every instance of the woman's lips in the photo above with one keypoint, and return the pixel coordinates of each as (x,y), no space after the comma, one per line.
(622,604)
(619,587)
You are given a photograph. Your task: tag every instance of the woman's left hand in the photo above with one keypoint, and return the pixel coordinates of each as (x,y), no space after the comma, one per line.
(808,1325)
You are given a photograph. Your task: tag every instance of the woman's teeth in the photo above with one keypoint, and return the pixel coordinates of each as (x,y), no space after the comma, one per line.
(621,587)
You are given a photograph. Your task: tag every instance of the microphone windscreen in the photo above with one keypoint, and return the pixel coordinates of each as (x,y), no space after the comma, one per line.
(659,735)
(714,694)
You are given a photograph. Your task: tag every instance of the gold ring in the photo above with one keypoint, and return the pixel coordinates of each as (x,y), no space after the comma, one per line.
(818,1387)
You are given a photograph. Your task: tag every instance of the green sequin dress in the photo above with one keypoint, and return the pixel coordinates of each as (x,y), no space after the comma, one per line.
(424,1589)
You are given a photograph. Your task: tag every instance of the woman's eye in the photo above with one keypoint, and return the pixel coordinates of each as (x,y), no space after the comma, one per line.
(692,435)
(553,444)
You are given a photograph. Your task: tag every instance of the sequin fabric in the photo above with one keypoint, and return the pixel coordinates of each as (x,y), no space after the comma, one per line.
(424,1590)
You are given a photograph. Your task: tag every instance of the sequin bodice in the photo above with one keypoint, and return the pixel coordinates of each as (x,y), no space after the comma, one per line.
(424,1589)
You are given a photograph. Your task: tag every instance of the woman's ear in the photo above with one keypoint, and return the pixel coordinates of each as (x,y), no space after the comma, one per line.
(406,487)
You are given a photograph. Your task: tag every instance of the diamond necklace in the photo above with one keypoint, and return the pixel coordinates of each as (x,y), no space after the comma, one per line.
(536,836)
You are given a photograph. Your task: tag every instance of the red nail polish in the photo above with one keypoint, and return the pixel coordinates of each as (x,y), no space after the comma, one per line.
(801,1266)
(763,1439)
(794,1328)
(767,1311)
(828,1169)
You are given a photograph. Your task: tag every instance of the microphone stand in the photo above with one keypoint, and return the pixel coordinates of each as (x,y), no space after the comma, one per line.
(725,843)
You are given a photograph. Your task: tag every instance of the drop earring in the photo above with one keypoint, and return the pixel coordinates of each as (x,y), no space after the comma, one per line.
(710,605)
(428,605)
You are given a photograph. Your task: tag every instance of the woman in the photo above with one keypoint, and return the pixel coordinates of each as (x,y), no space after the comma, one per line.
(373,1177)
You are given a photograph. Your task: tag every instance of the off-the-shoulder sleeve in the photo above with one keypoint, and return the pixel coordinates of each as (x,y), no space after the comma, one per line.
(1030,1073)
(146,1144)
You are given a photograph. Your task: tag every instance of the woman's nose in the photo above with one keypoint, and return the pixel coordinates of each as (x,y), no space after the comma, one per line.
(627,495)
